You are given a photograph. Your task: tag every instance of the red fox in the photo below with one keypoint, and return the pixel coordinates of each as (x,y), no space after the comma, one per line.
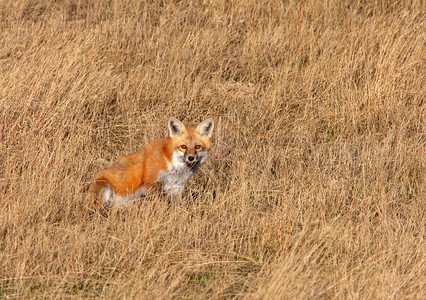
(170,161)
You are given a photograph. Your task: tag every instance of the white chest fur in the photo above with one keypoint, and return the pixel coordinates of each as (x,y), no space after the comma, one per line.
(179,173)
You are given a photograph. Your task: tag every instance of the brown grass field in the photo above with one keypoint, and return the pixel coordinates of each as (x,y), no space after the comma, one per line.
(314,188)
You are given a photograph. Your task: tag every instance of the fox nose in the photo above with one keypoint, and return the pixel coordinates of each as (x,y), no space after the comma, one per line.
(191,158)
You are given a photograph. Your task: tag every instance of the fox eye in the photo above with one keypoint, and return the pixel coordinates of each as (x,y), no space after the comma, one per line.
(197,147)
(183,147)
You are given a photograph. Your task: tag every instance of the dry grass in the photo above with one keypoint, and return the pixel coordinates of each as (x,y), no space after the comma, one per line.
(315,185)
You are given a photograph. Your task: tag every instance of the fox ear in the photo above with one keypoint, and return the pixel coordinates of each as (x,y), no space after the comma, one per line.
(206,128)
(176,127)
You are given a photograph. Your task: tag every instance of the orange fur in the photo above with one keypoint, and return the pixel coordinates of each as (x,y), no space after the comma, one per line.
(143,168)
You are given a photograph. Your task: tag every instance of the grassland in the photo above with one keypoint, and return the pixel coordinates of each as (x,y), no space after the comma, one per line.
(315,187)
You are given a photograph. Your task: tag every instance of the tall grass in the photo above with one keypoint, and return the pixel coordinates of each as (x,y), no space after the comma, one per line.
(314,187)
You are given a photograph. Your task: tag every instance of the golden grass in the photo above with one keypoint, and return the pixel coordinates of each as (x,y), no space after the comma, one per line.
(314,187)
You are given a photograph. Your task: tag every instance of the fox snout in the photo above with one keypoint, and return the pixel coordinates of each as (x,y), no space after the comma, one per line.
(191,158)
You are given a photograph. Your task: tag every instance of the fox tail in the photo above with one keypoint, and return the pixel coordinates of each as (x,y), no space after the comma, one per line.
(95,187)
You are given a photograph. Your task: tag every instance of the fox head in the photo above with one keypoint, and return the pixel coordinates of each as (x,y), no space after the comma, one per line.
(190,145)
